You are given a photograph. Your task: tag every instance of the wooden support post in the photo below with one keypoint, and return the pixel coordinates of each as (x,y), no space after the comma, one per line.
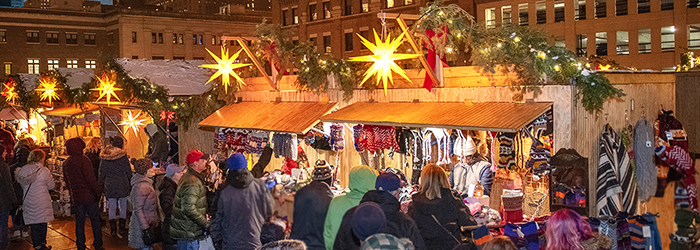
(241,41)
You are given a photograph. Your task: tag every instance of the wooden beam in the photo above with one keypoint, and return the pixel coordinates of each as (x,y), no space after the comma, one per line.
(241,41)
(422,58)
(398,15)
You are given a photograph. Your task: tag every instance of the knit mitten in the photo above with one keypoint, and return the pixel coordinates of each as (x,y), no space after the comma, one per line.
(481,235)
(506,153)
(684,220)
(530,232)
(623,232)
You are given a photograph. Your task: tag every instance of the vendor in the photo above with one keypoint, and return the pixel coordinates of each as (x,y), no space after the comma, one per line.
(157,144)
(472,169)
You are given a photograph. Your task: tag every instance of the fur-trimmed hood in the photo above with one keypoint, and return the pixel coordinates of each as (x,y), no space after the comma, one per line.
(111,153)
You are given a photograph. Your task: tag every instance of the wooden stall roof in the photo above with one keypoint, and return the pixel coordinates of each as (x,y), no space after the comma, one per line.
(13,113)
(291,117)
(71,110)
(483,116)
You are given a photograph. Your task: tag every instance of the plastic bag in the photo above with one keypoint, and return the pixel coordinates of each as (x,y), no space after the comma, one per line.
(206,244)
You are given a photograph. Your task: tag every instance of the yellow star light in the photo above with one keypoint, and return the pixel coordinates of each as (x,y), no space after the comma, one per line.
(225,66)
(383,59)
(48,88)
(133,122)
(107,88)
(10,93)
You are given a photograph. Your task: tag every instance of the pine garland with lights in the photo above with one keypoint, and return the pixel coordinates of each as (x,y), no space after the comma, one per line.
(451,25)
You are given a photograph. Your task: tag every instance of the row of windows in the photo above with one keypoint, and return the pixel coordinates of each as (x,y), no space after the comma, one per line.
(621,9)
(34,64)
(52,37)
(157,38)
(622,40)
(291,17)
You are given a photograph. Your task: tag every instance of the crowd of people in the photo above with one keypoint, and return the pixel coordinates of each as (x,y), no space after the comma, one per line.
(184,213)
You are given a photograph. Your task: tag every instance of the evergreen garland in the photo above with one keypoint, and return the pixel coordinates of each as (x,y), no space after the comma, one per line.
(451,24)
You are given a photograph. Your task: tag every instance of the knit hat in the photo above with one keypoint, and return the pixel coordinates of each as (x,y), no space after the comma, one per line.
(368,219)
(117,141)
(142,165)
(237,162)
(680,197)
(464,146)
(322,172)
(173,169)
(285,244)
(388,182)
(151,129)
(195,155)
(383,241)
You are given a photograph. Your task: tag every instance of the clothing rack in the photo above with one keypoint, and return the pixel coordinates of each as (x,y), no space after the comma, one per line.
(500,225)
(613,217)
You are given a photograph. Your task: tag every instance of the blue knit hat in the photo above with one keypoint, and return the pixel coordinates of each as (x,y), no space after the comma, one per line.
(368,219)
(388,182)
(237,162)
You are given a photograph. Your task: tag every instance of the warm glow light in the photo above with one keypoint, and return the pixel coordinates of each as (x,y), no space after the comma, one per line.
(605,67)
(133,122)
(107,88)
(225,66)
(383,59)
(47,87)
(9,92)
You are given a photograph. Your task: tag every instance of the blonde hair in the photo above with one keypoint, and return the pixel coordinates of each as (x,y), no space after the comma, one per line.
(500,243)
(36,156)
(432,179)
(92,144)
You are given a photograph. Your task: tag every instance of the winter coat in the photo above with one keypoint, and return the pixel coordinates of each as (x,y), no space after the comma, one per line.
(362,179)
(259,167)
(115,172)
(397,223)
(7,140)
(7,191)
(21,155)
(449,211)
(145,204)
(158,147)
(37,205)
(77,172)
(310,208)
(188,218)
(243,207)
(94,157)
(477,171)
(167,196)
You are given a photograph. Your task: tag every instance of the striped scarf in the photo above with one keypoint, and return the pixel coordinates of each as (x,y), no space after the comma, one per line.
(608,186)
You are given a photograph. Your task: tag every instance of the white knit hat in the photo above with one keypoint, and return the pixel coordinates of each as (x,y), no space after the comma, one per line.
(464,146)
(151,129)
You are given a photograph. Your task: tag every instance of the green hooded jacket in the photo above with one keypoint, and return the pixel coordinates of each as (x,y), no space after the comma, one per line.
(362,179)
(190,207)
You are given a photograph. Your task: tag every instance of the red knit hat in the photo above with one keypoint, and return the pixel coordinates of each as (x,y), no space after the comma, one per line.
(193,156)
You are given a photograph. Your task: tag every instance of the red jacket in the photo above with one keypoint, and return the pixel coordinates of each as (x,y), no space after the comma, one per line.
(7,140)
(78,173)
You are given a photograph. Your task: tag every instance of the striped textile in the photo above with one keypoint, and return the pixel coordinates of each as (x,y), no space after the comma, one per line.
(636,233)
(681,161)
(608,186)
(628,183)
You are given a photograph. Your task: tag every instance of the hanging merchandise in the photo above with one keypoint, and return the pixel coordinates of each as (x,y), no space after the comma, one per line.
(442,139)
(416,155)
(494,165)
(356,131)
(506,153)
(614,162)
(427,144)
(523,236)
(256,142)
(539,157)
(403,136)
(376,138)
(644,158)
(682,239)
(623,232)
(512,206)
(681,162)
(285,145)
(321,143)
(463,146)
(337,142)
(667,132)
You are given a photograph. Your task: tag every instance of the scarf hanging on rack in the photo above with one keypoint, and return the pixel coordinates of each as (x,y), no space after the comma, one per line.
(285,145)
(612,156)
(337,141)
(427,144)
(506,153)
(356,131)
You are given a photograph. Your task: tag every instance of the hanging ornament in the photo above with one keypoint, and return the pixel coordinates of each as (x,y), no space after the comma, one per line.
(225,66)
(383,59)
(107,87)
(47,87)
(167,116)
(133,122)
(9,92)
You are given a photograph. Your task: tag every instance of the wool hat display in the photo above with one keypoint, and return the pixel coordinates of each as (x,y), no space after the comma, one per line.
(368,219)
(237,162)
(680,197)
(142,165)
(388,182)
(195,155)
(117,141)
(151,129)
(322,172)
(173,169)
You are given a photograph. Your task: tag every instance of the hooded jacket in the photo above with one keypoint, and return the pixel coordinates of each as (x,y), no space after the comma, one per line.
(37,205)
(167,197)
(244,205)
(362,179)
(188,218)
(8,200)
(78,174)
(449,211)
(310,208)
(115,172)
(397,223)
(144,215)
(158,147)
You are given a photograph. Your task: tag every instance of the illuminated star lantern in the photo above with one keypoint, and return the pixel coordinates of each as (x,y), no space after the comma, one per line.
(47,88)
(107,88)
(383,59)
(132,121)
(9,92)
(225,66)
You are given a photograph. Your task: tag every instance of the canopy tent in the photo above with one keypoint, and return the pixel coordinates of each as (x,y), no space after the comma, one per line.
(12,113)
(72,110)
(483,116)
(290,117)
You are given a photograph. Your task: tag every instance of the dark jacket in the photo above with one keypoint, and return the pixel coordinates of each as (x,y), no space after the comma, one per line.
(397,223)
(7,140)
(115,172)
(18,161)
(94,157)
(77,171)
(449,211)
(243,207)
(167,197)
(264,160)
(7,192)
(310,208)
(158,147)
(188,218)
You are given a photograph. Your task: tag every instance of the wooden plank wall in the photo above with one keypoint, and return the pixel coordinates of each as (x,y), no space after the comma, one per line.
(688,107)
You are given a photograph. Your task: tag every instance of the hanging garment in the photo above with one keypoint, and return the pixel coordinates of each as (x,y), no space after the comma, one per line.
(506,153)
(494,166)
(624,242)
(417,147)
(653,239)
(644,158)
(442,138)
(608,186)
(427,144)
(636,225)
(609,229)
(385,137)
(681,162)
(256,142)
(539,157)
(285,145)
(337,141)
(668,132)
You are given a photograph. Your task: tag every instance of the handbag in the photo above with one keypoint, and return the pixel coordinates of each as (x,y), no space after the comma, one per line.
(19,212)
(206,244)
(153,234)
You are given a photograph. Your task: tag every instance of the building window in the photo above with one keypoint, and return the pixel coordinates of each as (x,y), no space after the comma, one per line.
(134,37)
(693,3)
(284,17)
(110,38)
(90,39)
(158,58)
(505,16)
(160,38)
(601,43)
(295,16)
(580,9)
(365,34)
(694,36)
(560,42)
(541,7)
(53,64)
(3,36)
(71,38)
(71,64)
(559,14)
(667,4)
(348,41)
(582,45)
(313,42)
(180,39)
(644,41)
(643,6)
(389,3)
(8,68)
(295,42)
(365,6)
(600,6)
(154,37)
(327,44)
(134,57)
(490,17)
(200,40)
(620,7)
(174,38)
(348,7)
(178,58)
(623,43)
(668,34)
(90,64)
(326,10)
(33,66)
(197,39)
(407,2)
(32,36)
(313,15)
(523,16)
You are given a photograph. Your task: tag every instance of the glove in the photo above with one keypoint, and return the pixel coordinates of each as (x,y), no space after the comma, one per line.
(148,237)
